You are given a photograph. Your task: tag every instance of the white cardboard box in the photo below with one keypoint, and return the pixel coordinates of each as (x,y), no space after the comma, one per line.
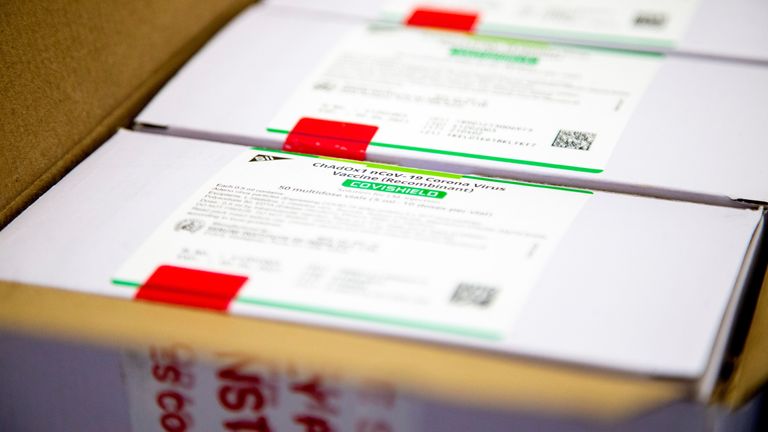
(713,28)
(105,392)
(641,285)
(696,132)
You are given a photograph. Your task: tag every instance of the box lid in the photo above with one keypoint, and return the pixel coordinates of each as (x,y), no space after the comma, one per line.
(710,28)
(635,328)
(233,89)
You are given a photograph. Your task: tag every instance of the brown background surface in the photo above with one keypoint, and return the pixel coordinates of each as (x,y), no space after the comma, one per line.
(72,71)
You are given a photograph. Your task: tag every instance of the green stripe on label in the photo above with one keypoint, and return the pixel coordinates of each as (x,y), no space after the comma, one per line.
(125,283)
(491,158)
(402,190)
(472,156)
(418,325)
(576,35)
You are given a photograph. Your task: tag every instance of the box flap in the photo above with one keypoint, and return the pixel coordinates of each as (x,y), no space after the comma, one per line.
(445,373)
(74,72)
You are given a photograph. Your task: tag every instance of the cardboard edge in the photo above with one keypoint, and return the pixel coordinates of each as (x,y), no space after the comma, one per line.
(718,366)
(745,370)
(441,165)
(444,373)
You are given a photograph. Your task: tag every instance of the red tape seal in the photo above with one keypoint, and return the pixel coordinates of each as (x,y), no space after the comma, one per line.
(443,19)
(189,287)
(330,138)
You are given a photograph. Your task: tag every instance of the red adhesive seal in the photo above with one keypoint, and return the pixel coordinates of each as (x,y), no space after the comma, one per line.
(330,138)
(443,19)
(189,287)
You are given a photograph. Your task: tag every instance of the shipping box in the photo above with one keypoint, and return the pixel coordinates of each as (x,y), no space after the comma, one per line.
(707,28)
(614,120)
(66,94)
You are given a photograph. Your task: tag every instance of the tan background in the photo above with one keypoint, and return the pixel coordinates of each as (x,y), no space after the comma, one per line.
(72,71)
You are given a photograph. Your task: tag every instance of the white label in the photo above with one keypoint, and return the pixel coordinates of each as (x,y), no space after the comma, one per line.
(365,246)
(171,389)
(555,107)
(652,23)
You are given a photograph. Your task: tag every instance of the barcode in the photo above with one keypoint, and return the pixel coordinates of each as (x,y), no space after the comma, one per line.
(473,294)
(650,19)
(576,140)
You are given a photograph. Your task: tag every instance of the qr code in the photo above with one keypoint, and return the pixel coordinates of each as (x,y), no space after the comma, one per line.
(475,295)
(574,139)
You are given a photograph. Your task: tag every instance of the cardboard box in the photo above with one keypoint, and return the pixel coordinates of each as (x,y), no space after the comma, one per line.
(595,304)
(57,116)
(672,145)
(117,390)
(708,28)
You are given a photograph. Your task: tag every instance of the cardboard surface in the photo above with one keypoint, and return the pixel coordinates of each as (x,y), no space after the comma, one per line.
(596,304)
(73,72)
(92,375)
(673,145)
(444,373)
